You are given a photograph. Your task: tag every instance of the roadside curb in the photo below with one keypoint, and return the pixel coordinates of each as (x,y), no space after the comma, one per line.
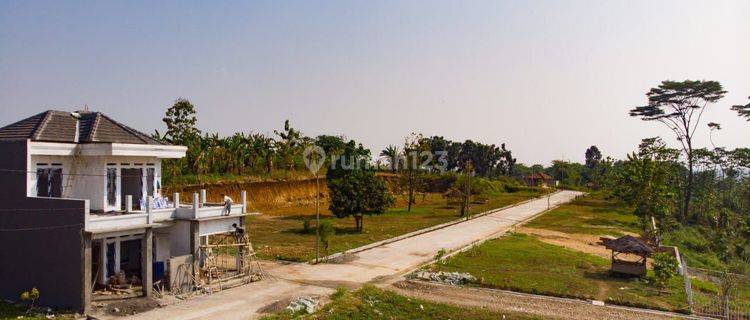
(426,230)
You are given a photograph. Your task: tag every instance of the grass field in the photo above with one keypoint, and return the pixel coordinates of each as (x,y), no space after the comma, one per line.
(522,263)
(589,215)
(373,303)
(277,236)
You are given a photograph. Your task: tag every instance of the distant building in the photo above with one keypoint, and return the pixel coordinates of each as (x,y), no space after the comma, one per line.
(540,179)
(80,202)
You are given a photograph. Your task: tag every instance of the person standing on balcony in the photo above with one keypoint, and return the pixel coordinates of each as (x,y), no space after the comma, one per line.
(227,204)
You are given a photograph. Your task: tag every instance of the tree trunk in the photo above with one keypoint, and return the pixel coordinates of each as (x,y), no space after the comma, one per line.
(358,222)
(411,191)
(689,188)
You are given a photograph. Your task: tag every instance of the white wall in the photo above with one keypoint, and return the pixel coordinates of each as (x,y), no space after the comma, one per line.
(85,177)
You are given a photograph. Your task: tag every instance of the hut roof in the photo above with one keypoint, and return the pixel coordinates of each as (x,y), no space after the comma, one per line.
(627,244)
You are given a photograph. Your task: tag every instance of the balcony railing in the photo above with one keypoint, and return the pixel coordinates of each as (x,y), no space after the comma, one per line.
(199,209)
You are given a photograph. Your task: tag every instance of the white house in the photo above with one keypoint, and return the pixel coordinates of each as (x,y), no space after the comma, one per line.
(87,170)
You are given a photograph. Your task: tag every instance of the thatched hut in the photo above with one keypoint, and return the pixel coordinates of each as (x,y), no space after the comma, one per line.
(632,246)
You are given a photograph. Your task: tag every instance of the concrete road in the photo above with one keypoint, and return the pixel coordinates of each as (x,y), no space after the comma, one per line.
(380,264)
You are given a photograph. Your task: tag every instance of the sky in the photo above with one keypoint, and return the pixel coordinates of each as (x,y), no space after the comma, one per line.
(548,78)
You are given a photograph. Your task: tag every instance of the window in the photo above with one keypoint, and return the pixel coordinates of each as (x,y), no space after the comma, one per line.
(112,186)
(49,182)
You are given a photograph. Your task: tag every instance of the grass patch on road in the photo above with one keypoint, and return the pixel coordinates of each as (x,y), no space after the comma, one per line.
(522,263)
(283,237)
(373,303)
(591,214)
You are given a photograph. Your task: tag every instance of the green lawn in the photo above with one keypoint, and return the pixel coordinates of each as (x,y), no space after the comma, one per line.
(373,303)
(522,263)
(589,215)
(11,311)
(282,237)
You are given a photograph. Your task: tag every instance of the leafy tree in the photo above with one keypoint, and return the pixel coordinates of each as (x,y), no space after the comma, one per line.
(743,111)
(593,157)
(354,190)
(181,123)
(289,145)
(506,163)
(679,106)
(665,267)
(645,181)
(412,168)
(326,233)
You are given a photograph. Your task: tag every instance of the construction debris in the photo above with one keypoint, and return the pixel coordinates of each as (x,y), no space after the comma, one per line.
(308,304)
(452,278)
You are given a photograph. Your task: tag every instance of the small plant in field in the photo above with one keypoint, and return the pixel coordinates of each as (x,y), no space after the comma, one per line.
(665,267)
(32,296)
(306,229)
(439,256)
(326,233)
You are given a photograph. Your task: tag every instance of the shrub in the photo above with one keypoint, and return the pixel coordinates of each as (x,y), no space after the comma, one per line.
(665,267)
(326,233)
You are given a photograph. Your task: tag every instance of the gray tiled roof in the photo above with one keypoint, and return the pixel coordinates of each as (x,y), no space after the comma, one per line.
(60,126)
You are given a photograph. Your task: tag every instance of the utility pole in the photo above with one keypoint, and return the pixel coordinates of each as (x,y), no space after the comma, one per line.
(317,218)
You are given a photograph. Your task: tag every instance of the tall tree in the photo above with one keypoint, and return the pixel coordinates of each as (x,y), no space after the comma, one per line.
(181,120)
(289,145)
(743,111)
(392,153)
(679,105)
(593,157)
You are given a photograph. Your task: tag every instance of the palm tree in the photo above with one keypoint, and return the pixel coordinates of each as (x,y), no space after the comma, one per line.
(392,153)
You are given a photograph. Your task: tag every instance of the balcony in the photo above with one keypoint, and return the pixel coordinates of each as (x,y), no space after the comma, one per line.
(130,219)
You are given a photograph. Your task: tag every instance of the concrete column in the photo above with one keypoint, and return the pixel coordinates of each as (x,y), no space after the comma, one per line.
(196,205)
(117,256)
(86,272)
(176,197)
(149,209)
(195,241)
(128,203)
(102,278)
(243,196)
(203,197)
(147,273)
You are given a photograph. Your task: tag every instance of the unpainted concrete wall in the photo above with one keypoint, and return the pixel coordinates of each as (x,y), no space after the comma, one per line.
(41,239)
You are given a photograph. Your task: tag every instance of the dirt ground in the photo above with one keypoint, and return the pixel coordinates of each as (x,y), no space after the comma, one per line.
(579,242)
(498,300)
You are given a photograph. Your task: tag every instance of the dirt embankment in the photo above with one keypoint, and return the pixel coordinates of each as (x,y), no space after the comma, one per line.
(261,195)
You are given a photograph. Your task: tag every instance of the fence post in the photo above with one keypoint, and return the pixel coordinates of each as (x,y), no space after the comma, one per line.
(203,197)
(688,285)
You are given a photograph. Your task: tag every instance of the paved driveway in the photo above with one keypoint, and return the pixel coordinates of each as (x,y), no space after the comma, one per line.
(379,264)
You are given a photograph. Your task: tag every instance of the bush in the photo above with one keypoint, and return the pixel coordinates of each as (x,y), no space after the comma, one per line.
(665,267)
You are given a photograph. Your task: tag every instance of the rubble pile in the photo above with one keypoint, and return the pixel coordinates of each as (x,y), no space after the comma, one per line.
(452,278)
(309,304)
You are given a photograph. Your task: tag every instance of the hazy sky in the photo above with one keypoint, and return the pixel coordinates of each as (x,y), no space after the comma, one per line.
(549,78)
